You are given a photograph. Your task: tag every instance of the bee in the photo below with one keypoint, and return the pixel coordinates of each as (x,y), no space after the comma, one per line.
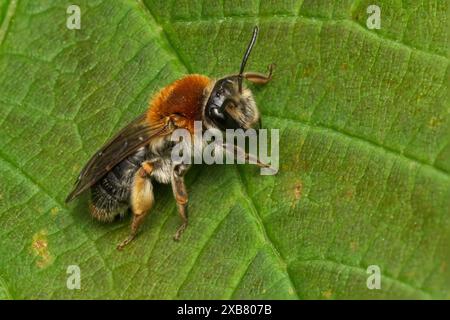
(121,175)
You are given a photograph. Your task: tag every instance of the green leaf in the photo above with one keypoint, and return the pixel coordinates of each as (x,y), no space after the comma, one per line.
(364,178)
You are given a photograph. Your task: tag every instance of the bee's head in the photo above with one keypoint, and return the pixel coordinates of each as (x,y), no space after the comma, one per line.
(229,104)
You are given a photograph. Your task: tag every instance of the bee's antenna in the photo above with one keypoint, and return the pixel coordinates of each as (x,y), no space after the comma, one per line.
(247,53)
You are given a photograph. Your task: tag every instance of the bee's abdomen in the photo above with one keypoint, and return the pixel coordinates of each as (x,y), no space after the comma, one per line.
(110,195)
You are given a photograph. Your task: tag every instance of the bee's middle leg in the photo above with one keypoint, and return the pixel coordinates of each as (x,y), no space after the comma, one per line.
(141,200)
(181,196)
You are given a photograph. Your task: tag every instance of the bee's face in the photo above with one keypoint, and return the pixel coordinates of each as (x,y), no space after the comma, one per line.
(228,108)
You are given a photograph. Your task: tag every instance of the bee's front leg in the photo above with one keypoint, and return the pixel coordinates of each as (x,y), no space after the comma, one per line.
(181,196)
(259,78)
(239,152)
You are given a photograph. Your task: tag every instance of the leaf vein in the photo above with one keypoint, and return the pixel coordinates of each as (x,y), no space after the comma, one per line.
(267,238)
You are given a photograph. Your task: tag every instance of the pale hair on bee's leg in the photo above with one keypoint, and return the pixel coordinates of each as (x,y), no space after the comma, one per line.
(141,200)
(181,196)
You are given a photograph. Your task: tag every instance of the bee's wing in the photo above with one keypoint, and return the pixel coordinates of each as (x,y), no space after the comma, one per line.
(134,136)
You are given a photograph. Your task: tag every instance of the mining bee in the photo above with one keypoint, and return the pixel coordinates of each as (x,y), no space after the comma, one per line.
(121,174)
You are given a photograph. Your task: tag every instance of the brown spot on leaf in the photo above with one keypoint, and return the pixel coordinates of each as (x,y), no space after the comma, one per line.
(434,122)
(298,190)
(76,168)
(349,194)
(297,193)
(54,211)
(39,246)
(327,294)
(308,71)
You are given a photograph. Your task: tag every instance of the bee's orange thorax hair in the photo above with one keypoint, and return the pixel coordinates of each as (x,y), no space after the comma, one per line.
(183,97)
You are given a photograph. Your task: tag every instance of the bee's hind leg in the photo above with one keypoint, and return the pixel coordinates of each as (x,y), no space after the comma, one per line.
(181,196)
(141,200)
